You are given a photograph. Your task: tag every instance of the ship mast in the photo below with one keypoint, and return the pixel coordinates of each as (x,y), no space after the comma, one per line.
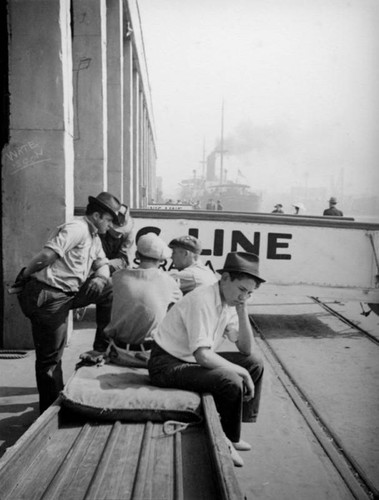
(222,143)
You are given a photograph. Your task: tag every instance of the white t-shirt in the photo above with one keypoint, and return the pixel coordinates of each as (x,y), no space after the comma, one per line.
(140,301)
(198,320)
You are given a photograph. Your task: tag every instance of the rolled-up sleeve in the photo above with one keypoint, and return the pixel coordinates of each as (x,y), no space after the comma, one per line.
(199,324)
(65,238)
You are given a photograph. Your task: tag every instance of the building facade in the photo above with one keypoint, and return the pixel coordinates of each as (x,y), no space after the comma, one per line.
(76,120)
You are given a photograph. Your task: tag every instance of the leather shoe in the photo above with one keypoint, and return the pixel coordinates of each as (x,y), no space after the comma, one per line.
(242,445)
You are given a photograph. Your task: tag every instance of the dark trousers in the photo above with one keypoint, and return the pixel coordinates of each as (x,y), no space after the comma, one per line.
(225,385)
(47,308)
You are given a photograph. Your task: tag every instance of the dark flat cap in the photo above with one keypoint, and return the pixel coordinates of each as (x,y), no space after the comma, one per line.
(187,242)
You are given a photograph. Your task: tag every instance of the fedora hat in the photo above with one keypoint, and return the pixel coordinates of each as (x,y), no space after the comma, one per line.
(242,262)
(333,200)
(107,202)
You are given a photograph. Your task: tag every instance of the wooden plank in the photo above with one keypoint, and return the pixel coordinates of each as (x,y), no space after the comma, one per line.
(198,474)
(85,458)
(162,468)
(178,467)
(119,479)
(103,465)
(19,459)
(228,485)
(57,482)
(143,465)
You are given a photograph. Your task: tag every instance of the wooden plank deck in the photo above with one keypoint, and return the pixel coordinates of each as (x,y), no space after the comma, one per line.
(63,456)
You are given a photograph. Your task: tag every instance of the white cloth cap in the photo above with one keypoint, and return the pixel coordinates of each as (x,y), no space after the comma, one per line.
(150,245)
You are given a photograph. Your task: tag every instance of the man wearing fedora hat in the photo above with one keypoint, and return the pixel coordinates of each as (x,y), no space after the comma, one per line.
(70,272)
(333,210)
(185,349)
(189,270)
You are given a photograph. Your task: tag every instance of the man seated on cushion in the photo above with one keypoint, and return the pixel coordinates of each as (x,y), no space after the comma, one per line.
(189,268)
(141,296)
(184,351)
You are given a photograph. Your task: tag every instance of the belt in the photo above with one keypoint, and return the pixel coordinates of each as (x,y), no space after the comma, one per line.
(145,346)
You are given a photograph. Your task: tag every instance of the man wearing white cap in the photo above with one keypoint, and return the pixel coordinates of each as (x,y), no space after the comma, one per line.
(333,210)
(141,296)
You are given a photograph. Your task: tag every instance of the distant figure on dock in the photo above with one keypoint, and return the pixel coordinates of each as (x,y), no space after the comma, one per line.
(197,205)
(211,205)
(219,205)
(298,208)
(278,209)
(333,210)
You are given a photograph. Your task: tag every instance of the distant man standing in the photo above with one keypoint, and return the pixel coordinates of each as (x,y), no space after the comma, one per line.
(278,209)
(189,268)
(333,210)
(70,272)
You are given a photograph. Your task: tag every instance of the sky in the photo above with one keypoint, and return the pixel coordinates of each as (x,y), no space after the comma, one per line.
(298,80)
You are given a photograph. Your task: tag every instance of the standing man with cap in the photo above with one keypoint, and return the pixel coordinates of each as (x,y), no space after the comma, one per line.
(278,209)
(141,296)
(333,210)
(70,272)
(189,269)
(184,352)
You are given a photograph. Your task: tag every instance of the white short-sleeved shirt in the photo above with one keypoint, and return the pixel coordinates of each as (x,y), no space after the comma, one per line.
(197,274)
(78,245)
(200,319)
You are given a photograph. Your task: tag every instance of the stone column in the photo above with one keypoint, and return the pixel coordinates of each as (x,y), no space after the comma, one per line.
(115,72)
(38,161)
(128,123)
(136,141)
(90,103)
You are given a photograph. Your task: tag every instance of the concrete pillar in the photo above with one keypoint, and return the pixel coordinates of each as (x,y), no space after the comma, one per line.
(128,123)
(90,103)
(136,141)
(115,92)
(38,161)
(145,164)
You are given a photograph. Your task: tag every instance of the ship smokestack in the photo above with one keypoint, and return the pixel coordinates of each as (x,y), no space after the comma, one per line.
(211,166)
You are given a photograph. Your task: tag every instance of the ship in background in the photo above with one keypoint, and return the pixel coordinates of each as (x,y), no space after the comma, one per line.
(213,184)
(234,196)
